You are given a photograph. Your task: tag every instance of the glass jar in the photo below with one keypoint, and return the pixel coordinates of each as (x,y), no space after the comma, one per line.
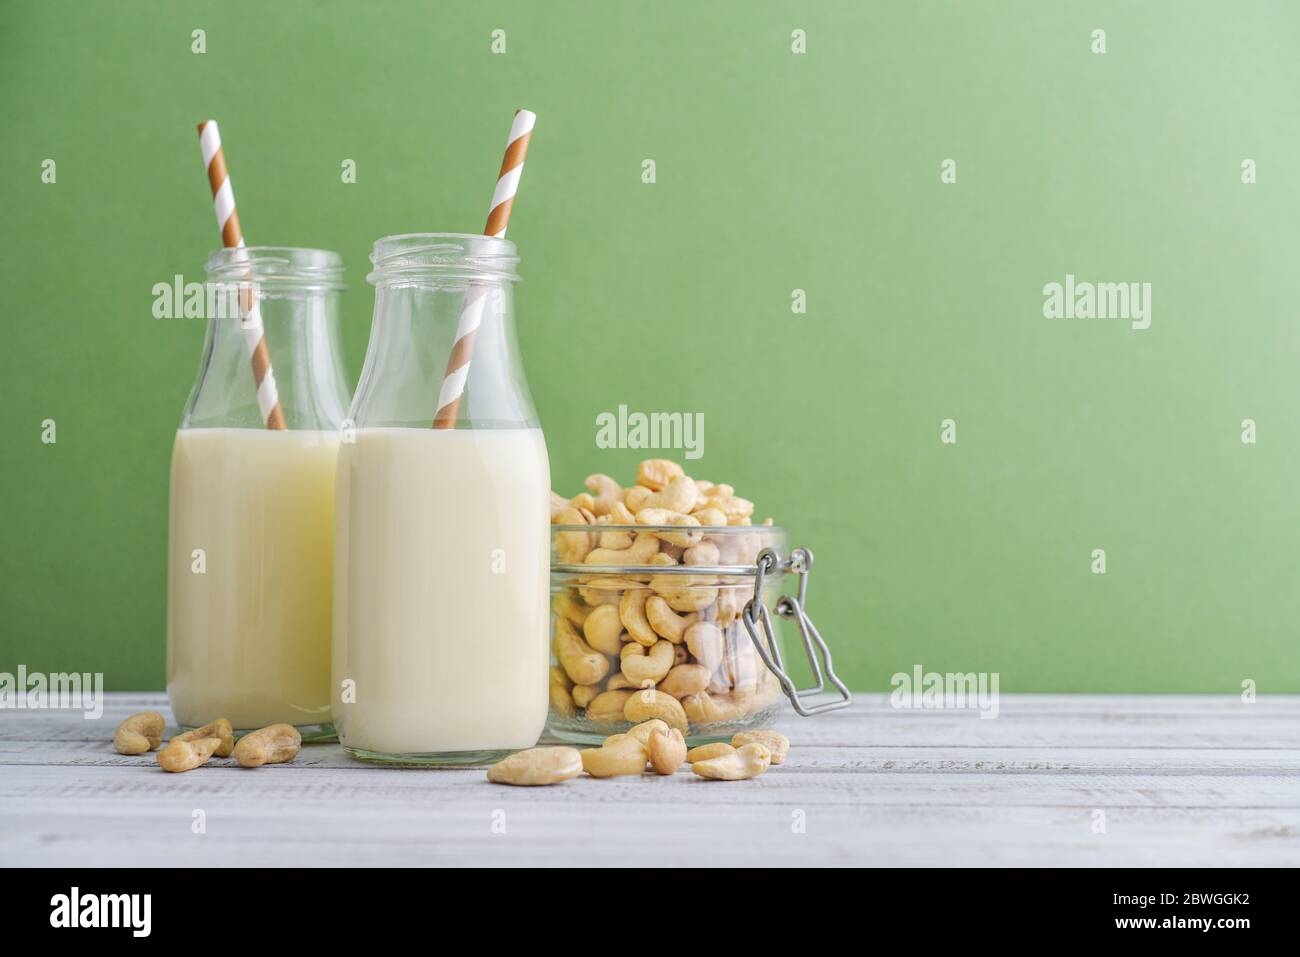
(252,508)
(440,619)
(689,643)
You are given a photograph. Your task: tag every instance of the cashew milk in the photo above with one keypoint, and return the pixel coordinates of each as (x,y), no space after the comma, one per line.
(249,576)
(442,566)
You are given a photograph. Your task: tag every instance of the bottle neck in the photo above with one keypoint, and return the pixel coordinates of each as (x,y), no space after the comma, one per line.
(286,302)
(433,291)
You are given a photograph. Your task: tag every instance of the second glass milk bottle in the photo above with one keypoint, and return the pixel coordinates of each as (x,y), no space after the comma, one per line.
(441,543)
(252,497)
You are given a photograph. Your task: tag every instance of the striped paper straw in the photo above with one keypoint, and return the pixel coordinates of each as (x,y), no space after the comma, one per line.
(471,314)
(223,200)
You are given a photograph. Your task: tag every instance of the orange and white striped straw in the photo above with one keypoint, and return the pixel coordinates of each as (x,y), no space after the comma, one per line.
(471,314)
(223,200)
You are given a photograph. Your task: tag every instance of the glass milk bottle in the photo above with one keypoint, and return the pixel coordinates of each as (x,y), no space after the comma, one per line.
(441,542)
(252,508)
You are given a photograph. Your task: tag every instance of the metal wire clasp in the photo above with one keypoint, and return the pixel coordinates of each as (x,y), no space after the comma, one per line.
(787,606)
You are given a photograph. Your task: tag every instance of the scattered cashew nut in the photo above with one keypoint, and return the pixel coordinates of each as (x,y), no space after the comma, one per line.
(219,729)
(667,750)
(186,755)
(139,733)
(537,766)
(274,744)
(747,762)
(625,756)
(707,751)
(776,743)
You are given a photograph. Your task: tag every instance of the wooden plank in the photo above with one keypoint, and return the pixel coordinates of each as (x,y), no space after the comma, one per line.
(452,832)
(1186,780)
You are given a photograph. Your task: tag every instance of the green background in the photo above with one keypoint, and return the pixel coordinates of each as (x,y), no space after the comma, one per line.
(775,171)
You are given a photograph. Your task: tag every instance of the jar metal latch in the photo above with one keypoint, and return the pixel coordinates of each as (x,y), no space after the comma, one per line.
(795,606)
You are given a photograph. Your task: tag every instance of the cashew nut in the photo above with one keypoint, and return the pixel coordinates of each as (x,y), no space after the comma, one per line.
(604,630)
(219,729)
(684,592)
(274,744)
(667,750)
(706,643)
(685,679)
(663,516)
(740,666)
(625,756)
(655,474)
(632,612)
(569,607)
(706,751)
(639,553)
(775,742)
(644,666)
(642,731)
(186,755)
(734,508)
(620,515)
(615,541)
(710,516)
(583,695)
(608,707)
(572,547)
(606,492)
(728,606)
(562,702)
(647,704)
(635,497)
(747,762)
(139,733)
(678,496)
(537,766)
(617,681)
(705,553)
(579,660)
(665,621)
(704,708)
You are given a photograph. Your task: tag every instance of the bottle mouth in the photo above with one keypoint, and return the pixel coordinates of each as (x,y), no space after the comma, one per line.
(278,268)
(416,259)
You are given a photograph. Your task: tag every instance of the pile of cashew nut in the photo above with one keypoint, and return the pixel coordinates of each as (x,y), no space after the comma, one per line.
(652,743)
(143,732)
(630,648)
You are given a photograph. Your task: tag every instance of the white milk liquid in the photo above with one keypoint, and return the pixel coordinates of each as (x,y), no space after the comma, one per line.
(442,567)
(248,619)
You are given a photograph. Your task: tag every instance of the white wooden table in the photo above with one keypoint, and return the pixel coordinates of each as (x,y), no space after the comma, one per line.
(1175,780)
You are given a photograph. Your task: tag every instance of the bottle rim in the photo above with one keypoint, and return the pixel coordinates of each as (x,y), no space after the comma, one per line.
(416,259)
(278,267)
